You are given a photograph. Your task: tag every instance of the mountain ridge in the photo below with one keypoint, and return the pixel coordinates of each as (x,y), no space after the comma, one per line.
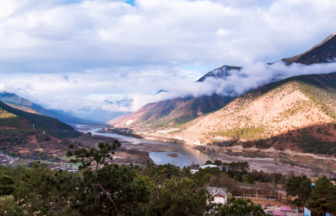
(12,118)
(320,53)
(170,112)
(323,52)
(277,115)
(20,101)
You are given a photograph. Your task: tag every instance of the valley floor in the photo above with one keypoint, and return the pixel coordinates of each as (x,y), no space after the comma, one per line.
(268,160)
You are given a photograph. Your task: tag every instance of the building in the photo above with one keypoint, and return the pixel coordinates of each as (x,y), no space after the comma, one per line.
(193,170)
(209,165)
(219,194)
(196,169)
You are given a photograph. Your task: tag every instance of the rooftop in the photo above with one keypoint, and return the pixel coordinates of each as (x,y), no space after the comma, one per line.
(214,191)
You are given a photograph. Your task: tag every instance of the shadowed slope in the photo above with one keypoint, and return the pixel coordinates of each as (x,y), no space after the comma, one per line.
(324,52)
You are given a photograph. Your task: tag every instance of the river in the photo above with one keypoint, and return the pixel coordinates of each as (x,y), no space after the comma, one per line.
(185,156)
(188,155)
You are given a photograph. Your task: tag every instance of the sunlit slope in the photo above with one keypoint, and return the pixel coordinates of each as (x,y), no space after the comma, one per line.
(171,112)
(284,107)
(23,108)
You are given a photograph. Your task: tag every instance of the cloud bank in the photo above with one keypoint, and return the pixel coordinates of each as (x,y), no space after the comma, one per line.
(74,55)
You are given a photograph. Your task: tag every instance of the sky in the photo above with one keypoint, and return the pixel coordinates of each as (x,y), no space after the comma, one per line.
(73,55)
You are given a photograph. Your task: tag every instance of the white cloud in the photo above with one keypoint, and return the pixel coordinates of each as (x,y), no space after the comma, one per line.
(67,55)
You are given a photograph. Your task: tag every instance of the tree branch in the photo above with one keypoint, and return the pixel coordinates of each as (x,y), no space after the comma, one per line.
(109,197)
(95,194)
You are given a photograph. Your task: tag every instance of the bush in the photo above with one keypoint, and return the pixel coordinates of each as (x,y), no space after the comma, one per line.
(42,155)
(8,205)
(218,162)
(208,162)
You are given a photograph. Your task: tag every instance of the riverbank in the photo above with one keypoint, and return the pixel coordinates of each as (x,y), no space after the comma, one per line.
(146,136)
(161,152)
(124,154)
(268,160)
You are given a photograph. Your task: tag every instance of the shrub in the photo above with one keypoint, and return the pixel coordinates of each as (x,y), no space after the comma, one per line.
(42,155)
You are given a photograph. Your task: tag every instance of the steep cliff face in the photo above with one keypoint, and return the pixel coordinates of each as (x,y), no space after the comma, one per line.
(277,115)
(324,52)
(170,112)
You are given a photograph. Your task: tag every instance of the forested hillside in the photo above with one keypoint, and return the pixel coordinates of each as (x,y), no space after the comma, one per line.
(11,118)
(29,135)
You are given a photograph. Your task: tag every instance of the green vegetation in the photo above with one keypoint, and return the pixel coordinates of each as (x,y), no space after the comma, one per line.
(14,118)
(319,88)
(241,207)
(298,106)
(320,198)
(103,188)
(310,144)
(242,132)
(16,137)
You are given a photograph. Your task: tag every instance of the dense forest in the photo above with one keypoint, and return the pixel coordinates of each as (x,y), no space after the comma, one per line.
(103,188)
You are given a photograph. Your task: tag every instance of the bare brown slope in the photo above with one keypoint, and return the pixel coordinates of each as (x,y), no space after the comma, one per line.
(170,112)
(276,109)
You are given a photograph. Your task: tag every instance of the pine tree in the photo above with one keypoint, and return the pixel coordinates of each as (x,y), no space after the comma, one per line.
(323,198)
(179,197)
(102,188)
(241,207)
(304,190)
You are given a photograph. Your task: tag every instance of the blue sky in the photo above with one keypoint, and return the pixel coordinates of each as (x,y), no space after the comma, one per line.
(116,49)
(131,2)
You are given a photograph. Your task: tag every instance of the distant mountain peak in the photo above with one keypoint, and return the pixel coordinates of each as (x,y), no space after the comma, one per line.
(222,72)
(161,91)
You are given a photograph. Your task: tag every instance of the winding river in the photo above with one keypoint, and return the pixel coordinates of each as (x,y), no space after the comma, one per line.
(185,156)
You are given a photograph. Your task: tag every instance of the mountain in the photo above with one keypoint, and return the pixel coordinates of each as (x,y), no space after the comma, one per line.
(23,108)
(171,112)
(28,106)
(178,110)
(221,72)
(33,136)
(298,113)
(14,99)
(11,118)
(123,103)
(161,91)
(324,52)
(181,110)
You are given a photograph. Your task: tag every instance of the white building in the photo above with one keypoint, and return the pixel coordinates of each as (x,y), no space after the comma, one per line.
(209,165)
(193,170)
(219,194)
(196,169)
